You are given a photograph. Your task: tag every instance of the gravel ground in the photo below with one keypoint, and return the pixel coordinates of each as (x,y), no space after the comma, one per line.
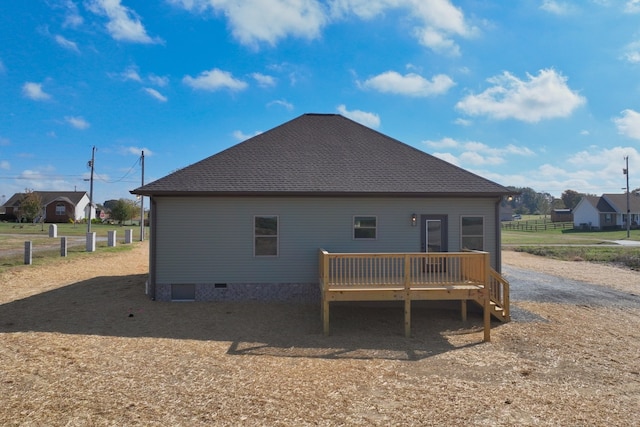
(80,344)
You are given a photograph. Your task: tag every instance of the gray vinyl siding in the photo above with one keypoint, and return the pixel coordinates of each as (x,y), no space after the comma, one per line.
(210,240)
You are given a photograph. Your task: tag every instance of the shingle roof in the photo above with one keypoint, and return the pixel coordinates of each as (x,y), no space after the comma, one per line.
(600,204)
(47,197)
(322,154)
(619,202)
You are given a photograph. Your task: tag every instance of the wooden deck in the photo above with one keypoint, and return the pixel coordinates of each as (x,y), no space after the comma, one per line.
(410,277)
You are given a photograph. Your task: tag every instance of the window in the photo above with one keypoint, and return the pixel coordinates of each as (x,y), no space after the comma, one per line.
(364,227)
(265,232)
(472,233)
(61,209)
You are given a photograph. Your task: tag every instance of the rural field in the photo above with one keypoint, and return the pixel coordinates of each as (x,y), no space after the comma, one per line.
(80,344)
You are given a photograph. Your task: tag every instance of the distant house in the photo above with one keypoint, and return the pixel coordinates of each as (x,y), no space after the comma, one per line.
(248,222)
(608,211)
(57,206)
(561,215)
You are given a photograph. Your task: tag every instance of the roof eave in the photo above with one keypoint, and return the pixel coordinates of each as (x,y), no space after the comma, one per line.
(160,193)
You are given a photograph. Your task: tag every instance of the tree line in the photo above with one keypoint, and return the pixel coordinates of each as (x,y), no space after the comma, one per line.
(531,202)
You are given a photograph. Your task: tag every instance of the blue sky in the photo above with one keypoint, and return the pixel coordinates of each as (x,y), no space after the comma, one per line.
(531,93)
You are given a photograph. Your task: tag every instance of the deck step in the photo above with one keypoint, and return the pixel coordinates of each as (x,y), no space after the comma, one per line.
(498,312)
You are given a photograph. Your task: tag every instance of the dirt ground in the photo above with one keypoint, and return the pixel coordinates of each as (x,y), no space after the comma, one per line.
(80,344)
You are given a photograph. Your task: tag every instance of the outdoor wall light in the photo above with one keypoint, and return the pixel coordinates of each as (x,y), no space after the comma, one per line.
(414,220)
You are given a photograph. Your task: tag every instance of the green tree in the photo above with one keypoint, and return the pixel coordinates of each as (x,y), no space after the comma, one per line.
(30,205)
(571,198)
(123,210)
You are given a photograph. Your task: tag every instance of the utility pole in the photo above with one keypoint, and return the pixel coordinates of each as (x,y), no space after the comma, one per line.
(626,172)
(91,165)
(142,200)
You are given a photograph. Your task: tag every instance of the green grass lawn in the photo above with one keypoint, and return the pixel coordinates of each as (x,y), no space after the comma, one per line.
(68,229)
(13,237)
(569,244)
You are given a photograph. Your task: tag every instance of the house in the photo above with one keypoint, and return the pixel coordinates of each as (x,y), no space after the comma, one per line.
(561,215)
(248,222)
(608,211)
(57,206)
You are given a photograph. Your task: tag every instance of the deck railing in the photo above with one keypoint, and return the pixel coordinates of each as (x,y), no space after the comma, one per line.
(355,270)
(410,276)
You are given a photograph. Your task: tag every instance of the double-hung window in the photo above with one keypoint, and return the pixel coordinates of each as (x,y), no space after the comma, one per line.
(472,233)
(364,227)
(61,209)
(265,235)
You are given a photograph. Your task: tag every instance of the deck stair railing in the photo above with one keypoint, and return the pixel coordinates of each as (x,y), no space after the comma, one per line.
(412,276)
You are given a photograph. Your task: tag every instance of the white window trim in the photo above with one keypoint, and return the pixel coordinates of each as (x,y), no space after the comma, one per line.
(483,235)
(277,236)
(353,227)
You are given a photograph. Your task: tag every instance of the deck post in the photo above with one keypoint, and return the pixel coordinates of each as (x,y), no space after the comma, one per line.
(463,309)
(487,299)
(325,316)
(407,296)
(324,279)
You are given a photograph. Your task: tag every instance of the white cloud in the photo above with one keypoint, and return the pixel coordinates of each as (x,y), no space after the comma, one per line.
(265,21)
(5,165)
(213,80)
(155,94)
(131,73)
(632,6)
(281,102)
(437,21)
(443,143)
(462,122)
(241,136)
(264,80)
(631,52)
(34,91)
(447,157)
(556,7)
(137,151)
(65,43)
(604,164)
(474,153)
(268,21)
(410,84)
(72,18)
(628,124)
(595,170)
(77,122)
(123,23)
(161,81)
(544,96)
(371,120)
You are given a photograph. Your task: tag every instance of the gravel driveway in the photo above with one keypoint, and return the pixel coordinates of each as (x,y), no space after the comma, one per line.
(532,286)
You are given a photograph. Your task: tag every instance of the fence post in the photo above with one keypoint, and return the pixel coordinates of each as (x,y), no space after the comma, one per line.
(63,246)
(28,252)
(128,236)
(53,230)
(111,238)
(91,241)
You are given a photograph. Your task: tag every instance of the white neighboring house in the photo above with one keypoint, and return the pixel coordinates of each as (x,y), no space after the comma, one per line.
(57,206)
(606,211)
